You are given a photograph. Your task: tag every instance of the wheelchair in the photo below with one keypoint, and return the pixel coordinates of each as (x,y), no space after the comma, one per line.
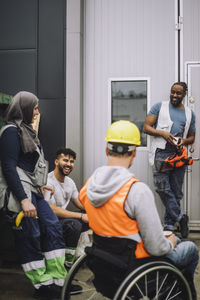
(102,277)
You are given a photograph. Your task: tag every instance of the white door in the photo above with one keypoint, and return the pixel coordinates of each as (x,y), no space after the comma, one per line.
(192,202)
(190,49)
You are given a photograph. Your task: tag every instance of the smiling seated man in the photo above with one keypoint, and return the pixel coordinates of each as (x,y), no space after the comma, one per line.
(65,190)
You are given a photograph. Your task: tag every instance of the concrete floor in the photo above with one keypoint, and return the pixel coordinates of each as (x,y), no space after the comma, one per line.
(15,286)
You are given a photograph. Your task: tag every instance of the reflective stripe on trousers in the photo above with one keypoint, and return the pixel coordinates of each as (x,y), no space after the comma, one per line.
(40,246)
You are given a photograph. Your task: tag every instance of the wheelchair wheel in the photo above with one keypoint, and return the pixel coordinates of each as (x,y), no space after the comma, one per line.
(154,281)
(80,274)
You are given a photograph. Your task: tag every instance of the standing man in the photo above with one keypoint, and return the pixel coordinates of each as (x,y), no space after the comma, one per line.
(65,190)
(169,122)
(122,211)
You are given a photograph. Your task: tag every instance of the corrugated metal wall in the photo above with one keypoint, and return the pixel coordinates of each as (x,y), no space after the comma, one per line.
(129,38)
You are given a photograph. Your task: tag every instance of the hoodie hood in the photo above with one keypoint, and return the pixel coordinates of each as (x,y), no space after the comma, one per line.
(105,182)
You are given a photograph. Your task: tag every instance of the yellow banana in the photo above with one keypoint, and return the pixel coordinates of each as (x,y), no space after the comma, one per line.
(19,218)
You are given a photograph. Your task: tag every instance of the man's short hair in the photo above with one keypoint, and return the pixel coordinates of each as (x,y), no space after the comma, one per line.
(183,84)
(119,149)
(65,151)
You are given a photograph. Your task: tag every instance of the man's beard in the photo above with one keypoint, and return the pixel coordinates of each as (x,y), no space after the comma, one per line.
(177,103)
(62,172)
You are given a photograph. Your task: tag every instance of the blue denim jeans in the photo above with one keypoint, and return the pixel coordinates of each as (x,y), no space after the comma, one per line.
(185,255)
(168,185)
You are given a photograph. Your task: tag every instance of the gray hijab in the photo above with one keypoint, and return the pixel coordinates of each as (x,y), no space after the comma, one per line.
(20,113)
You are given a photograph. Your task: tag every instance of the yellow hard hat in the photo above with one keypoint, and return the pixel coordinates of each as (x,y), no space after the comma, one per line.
(124,132)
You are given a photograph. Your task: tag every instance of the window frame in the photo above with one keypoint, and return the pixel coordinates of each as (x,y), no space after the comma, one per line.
(112,79)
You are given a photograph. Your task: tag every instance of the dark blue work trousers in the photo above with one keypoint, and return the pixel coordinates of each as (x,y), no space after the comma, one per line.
(35,236)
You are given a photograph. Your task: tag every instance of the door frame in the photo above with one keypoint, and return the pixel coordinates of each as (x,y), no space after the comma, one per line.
(194,224)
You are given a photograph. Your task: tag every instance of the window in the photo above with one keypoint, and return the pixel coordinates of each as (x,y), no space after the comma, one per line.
(129,102)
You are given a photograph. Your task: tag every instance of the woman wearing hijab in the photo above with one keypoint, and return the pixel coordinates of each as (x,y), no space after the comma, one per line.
(39,243)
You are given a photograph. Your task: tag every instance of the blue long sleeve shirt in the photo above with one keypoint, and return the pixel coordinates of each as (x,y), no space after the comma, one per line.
(11,156)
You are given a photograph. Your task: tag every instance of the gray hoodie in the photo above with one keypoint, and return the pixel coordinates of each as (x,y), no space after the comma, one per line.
(139,205)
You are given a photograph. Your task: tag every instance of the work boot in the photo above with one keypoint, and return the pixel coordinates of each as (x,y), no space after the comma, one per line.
(48,292)
(184,229)
(53,292)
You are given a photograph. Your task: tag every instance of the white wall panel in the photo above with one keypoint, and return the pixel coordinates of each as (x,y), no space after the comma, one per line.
(74,85)
(124,38)
(191,30)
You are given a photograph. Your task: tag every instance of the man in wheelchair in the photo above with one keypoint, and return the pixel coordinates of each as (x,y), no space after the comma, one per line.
(123,216)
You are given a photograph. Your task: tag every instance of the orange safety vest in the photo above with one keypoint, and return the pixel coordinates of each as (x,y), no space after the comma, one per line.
(110,219)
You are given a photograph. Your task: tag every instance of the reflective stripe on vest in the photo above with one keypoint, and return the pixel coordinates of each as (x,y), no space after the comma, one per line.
(110,219)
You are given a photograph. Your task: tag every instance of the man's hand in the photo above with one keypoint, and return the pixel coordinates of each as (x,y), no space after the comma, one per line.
(84,218)
(187,141)
(28,208)
(47,188)
(172,239)
(78,203)
(148,128)
(168,137)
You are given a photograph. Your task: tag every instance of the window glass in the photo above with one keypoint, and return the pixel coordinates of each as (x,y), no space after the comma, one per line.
(129,102)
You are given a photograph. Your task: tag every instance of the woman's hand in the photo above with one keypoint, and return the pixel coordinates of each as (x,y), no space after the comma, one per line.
(28,208)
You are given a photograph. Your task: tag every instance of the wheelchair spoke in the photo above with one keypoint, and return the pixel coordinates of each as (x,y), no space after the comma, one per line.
(171,290)
(175,295)
(139,290)
(160,288)
(146,287)
(92,296)
(157,281)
